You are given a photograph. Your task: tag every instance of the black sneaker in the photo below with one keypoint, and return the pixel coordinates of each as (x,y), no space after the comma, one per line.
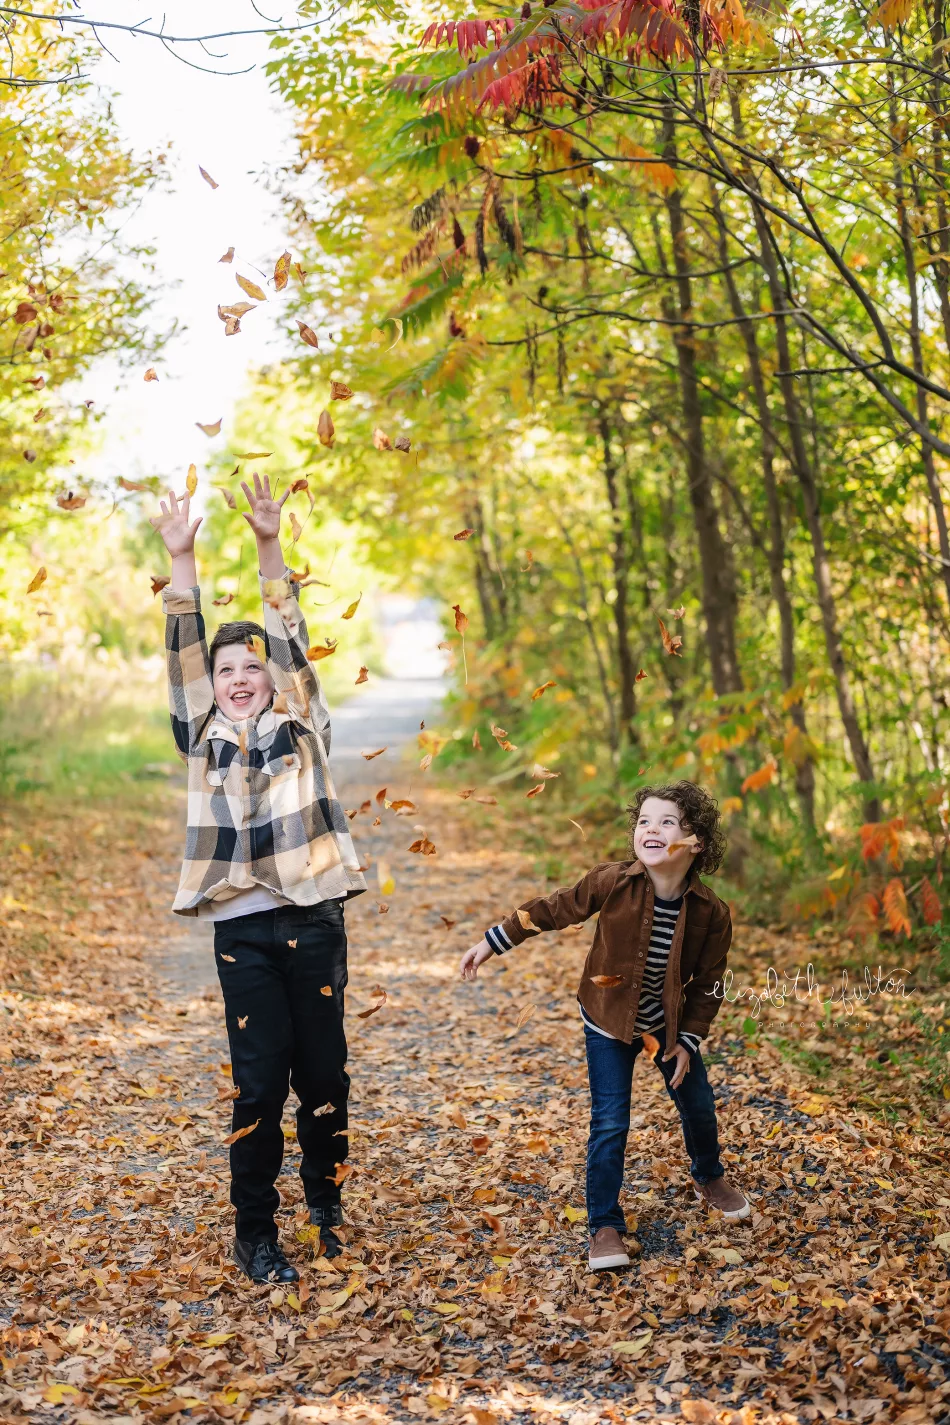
(326,1218)
(264,1262)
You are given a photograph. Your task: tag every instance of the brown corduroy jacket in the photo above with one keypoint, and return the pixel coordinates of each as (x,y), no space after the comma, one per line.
(622,893)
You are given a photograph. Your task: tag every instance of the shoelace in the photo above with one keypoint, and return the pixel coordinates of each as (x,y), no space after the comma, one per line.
(268,1258)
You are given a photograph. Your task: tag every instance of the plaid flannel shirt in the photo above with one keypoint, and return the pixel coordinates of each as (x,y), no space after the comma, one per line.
(266,815)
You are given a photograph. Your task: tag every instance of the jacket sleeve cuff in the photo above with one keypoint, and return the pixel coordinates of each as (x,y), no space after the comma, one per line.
(181,601)
(689,1041)
(498,940)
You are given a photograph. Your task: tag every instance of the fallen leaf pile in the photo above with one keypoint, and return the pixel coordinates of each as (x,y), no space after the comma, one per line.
(463,1291)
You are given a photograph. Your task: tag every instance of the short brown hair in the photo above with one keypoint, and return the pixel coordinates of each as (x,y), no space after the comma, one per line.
(700,814)
(241,631)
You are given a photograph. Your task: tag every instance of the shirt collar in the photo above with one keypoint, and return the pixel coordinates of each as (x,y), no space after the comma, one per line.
(694,885)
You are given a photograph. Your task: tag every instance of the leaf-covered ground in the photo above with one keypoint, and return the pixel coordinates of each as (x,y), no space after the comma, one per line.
(463,1293)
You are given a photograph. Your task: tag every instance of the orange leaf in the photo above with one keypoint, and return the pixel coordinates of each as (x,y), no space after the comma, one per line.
(651,1046)
(240,1133)
(343,1171)
(757,780)
(461,620)
(539,692)
(307,333)
(607,982)
(463,534)
(363,676)
(933,910)
(895,907)
(535,791)
(339,391)
(159,582)
(282,271)
(379,1001)
(672,642)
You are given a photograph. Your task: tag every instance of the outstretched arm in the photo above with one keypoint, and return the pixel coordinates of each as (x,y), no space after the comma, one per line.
(190,687)
(264,520)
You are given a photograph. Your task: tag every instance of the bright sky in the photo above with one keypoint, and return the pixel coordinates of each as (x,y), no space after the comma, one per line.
(234,129)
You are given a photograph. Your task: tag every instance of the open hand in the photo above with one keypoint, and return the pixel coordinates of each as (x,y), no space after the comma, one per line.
(477,955)
(264,518)
(681,1055)
(172,524)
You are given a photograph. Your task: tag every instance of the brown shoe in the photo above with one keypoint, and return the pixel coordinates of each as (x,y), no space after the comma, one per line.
(607,1250)
(729,1200)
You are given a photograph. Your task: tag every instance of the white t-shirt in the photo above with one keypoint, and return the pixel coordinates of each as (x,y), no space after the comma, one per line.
(248,902)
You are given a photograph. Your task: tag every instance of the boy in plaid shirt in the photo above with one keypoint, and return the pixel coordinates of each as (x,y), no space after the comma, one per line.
(270,861)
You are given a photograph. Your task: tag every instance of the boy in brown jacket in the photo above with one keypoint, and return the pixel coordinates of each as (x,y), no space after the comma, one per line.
(659,948)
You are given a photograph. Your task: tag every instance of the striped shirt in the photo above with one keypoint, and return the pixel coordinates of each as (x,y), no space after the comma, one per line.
(650,1008)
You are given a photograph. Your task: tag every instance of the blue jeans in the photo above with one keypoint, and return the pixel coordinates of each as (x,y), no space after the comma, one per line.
(610,1068)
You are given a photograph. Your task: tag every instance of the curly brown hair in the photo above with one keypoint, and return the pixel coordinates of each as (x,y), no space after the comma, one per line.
(700,814)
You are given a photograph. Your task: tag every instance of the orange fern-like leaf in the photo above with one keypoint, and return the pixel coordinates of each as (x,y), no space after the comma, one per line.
(895,907)
(933,910)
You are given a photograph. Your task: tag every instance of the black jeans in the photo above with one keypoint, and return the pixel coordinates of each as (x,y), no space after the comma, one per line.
(610,1068)
(283,973)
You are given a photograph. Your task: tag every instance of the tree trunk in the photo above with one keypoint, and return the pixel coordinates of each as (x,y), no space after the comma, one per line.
(620,557)
(719,593)
(805,475)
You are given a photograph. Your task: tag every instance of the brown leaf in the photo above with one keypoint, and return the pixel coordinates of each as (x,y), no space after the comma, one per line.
(463,534)
(476,741)
(535,791)
(539,692)
(325,429)
(282,271)
(481,1144)
(235,309)
(298,485)
(607,982)
(456,1115)
(296,528)
(224,600)
(402,443)
(159,582)
(25,312)
(207,177)
(426,762)
(242,1021)
(640,676)
(257,294)
(70,501)
(370,755)
(382,908)
(212,428)
(381,440)
(300,273)
(307,333)
(461,620)
(351,610)
(380,998)
(543,774)
(343,1171)
(651,1045)
(319,1112)
(150,375)
(448,925)
(487,801)
(525,921)
(228,256)
(240,1133)
(403,804)
(232,326)
(38,578)
(339,391)
(524,1015)
(466,794)
(672,642)
(363,677)
(424,845)
(229,499)
(686,843)
(230,959)
(381,794)
(677,613)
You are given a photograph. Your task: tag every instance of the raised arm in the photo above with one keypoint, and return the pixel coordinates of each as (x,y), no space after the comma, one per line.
(190,687)
(284,625)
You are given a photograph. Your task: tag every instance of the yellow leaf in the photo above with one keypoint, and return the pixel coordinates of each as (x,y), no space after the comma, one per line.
(883,1183)
(352,608)
(575,1214)
(728,1255)
(191,480)
(218,1338)
(59,1392)
(38,578)
(211,428)
(779,1285)
(446,1308)
(251,288)
(294,1301)
(811,1181)
(282,271)
(634,1346)
(502,1261)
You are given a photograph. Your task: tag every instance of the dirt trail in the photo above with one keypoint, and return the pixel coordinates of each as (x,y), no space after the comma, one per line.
(463,1288)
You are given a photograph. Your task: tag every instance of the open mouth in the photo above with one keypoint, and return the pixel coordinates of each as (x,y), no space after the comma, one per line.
(654,845)
(241,699)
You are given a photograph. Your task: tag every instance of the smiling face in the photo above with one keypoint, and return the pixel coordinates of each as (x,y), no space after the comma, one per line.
(659,824)
(242,685)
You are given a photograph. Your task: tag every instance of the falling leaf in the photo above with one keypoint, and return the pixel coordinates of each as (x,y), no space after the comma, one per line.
(651,1045)
(282,271)
(677,613)
(640,676)
(255,455)
(207,177)
(339,391)
(539,692)
(402,443)
(384,879)
(424,845)
(213,427)
(461,620)
(159,582)
(370,755)
(448,925)
(307,333)
(672,642)
(481,1143)
(530,558)
(525,921)
(235,309)
(224,600)
(38,579)
(463,534)
(476,741)
(381,440)
(229,499)
(535,791)
(607,982)
(326,990)
(228,256)
(524,1015)
(487,801)
(191,480)
(150,375)
(403,804)
(343,1171)
(363,677)
(380,998)
(319,1112)
(466,794)
(256,293)
(686,843)
(426,762)
(232,326)
(296,528)
(757,780)
(70,501)
(325,429)
(240,1132)
(579,827)
(255,644)
(541,773)
(298,485)
(242,1021)
(351,610)
(315,654)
